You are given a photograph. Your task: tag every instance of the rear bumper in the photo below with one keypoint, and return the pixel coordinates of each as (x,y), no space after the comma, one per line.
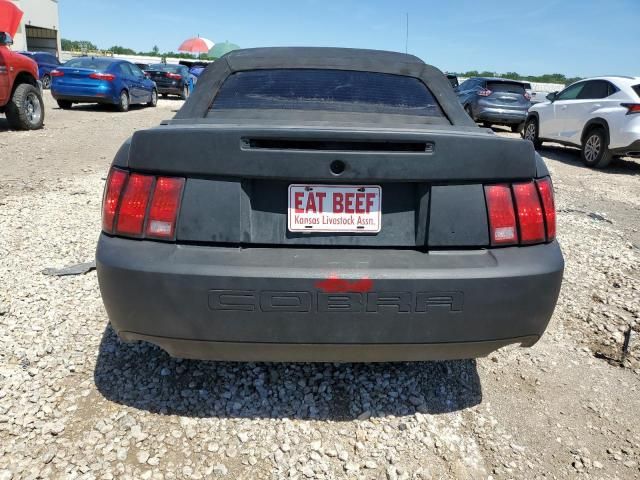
(500,116)
(633,149)
(101,92)
(169,90)
(266,304)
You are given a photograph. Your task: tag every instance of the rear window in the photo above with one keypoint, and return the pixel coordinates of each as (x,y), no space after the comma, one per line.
(89,62)
(636,88)
(329,90)
(505,87)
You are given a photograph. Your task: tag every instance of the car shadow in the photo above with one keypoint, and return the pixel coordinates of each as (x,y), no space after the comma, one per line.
(99,107)
(4,125)
(571,156)
(143,376)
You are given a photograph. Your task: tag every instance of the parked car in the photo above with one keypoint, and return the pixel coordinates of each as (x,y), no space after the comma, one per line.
(325,204)
(142,66)
(534,95)
(102,80)
(20,89)
(599,115)
(171,79)
(46,63)
(495,101)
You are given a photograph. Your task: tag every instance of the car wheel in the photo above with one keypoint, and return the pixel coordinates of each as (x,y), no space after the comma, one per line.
(25,110)
(64,104)
(46,82)
(123,103)
(517,128)
(595,152)
(164,95)
(467,108)
(153,101)
(530,132)
(185,92)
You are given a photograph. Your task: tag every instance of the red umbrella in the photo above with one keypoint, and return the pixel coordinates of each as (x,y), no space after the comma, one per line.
(10,17)
(196,45)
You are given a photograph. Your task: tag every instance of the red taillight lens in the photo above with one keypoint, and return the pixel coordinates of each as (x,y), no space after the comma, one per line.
(173,76)
(102,76)
(545,188)
(56,73)
(483,92)
(164,208)
(502,219)
(133,205)
(529,212)
(631,107)
(112,191)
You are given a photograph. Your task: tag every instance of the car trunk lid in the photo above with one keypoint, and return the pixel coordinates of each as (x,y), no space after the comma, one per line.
(238,179)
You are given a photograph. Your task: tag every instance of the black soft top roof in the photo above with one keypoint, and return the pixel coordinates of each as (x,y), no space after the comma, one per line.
(380,61)
(322,57)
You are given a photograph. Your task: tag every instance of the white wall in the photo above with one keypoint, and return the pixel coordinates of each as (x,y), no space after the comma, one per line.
(37,13)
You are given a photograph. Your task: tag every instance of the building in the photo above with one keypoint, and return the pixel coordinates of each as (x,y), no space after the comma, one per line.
(39,30)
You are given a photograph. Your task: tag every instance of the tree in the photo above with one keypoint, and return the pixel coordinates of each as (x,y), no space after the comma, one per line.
(118,50)
(70,45)
(155,50)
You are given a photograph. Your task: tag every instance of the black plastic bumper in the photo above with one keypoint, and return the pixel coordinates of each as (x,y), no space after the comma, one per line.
(284,304)
(633,149)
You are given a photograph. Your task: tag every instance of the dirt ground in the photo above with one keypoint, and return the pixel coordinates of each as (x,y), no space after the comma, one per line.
(75,402)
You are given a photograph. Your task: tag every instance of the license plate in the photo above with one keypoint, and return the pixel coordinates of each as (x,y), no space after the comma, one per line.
(335,208)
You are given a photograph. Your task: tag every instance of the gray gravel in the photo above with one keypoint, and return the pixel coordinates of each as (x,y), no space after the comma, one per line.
(75,402)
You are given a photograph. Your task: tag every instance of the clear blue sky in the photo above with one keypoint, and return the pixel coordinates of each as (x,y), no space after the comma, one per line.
(574,37)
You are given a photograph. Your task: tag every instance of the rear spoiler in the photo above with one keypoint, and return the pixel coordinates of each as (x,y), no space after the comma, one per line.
(307,154)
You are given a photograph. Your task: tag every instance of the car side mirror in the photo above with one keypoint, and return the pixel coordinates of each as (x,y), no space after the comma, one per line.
(552,96)
(5,39)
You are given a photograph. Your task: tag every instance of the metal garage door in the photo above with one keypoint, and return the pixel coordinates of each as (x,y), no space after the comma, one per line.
(42,39)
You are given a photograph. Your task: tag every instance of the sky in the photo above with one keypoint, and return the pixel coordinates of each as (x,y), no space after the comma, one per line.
(573,37)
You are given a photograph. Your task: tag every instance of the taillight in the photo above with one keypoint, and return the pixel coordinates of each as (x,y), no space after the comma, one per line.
(164,208)
(133,205)
(142,206)
(112,191)
(173,76)
(102,76)
(529,210)
(531,203)
(483,92)
(631,107)
(502,219)
(545,188)
(56,73)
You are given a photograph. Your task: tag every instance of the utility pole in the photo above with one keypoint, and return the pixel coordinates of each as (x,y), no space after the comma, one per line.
(406,42)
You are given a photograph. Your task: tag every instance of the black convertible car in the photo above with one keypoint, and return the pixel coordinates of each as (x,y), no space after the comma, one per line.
(321,204)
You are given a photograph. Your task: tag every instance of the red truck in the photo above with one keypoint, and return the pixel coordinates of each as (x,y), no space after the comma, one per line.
(20,91)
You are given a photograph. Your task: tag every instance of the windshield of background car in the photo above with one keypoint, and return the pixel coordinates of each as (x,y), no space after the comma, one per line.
(88,62)
(636,88)
(328,90)
(506,87)
(161,67)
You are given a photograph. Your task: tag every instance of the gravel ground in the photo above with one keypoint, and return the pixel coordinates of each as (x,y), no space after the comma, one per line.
(75,402)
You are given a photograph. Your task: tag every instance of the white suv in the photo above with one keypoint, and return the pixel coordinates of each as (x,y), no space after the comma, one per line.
(599,115)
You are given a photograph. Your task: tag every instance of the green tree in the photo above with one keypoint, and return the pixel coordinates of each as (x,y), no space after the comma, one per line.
(68,45)
(155,50)
(122,50)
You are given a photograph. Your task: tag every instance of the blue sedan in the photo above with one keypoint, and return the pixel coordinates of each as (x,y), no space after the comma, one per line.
(46,62)
(102,80)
